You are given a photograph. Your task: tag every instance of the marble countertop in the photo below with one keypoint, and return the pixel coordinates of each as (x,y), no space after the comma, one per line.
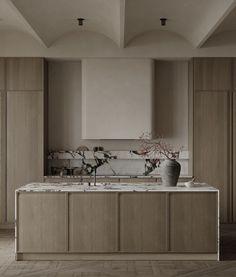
(108,187)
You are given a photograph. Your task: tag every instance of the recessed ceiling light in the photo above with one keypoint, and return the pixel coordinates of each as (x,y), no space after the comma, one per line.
(163,21)
(80,21)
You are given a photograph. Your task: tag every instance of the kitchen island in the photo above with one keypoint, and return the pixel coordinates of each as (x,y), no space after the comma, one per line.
(73,221)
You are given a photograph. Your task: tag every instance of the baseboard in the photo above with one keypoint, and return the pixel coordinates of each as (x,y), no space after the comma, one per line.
(114,257)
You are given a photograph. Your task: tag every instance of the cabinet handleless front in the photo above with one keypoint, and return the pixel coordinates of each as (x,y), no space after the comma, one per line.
(193,222)
(42,222)
(143,222)
(166,223)
(93,222)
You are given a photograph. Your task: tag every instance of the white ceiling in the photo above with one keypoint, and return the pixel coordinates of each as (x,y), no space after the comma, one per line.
(120,20)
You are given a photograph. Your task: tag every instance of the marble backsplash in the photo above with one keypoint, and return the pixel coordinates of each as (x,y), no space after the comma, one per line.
(107,163)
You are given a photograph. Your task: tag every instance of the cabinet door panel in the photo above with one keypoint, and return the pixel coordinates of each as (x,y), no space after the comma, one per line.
(93,219)
(193,222)
(143,220)
(2,74)
(24,142)
(24,74)
(212,143)
(234,157)
(42,222)
(212,74)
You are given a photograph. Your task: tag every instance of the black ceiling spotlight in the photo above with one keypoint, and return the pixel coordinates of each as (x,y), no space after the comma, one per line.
(163,21)
(80,21)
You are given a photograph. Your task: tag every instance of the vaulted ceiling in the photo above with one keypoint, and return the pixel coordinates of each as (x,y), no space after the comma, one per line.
(120,20)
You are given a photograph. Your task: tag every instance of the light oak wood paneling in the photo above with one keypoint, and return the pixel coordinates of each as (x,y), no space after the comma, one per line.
(2,74)
(93,222)
(212,144)
(25,138)
(42,222)
(193,222)
(2,156)
(234,158)
(212,74)
(143,222)
(24,74)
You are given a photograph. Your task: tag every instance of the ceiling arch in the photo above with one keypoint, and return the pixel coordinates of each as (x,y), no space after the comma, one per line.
(119,20)
(52,19)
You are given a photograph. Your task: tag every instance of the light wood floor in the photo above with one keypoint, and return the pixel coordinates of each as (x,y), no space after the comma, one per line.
(225,268)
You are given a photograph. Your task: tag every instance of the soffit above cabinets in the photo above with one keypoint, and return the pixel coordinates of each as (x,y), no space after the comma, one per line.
(116,98)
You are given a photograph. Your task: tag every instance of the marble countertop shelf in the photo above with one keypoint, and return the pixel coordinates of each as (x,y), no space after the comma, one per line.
(110,187)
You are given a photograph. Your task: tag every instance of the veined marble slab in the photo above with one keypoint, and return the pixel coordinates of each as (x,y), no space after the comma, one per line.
(109,187)
(91,155)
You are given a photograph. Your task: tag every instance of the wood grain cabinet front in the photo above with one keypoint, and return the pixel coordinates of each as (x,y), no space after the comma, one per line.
(2,74)
(24,74)
(25,146)
(122,223)
(193,222)
(42,225)
(212,74)
(212,149)
(143,222)
(93,222)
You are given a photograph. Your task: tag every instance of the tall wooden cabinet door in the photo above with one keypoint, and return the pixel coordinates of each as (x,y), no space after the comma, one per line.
(143,222)
(2,74)
(93,222)
(234,154)
(42,222)
(24,74)
(24,142)
(193,222)
(212,74)
(212,150)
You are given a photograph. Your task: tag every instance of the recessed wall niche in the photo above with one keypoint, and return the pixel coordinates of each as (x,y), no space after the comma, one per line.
(170,115)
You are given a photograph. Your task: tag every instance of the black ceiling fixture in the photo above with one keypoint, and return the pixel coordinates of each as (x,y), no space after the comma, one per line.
(163,21)
(80,21)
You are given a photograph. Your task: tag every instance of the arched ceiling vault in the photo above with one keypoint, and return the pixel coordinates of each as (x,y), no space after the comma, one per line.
(119,20)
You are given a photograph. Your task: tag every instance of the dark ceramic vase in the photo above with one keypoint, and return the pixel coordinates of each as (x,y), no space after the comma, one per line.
(169,171)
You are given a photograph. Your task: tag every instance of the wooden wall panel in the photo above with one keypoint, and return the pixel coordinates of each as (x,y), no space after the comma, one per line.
(2,157)
(24,74)
(25,136)
(212,74)
(233,196)
(193,222)
(212,144)
(42,222)
(93,222)
(2,74)
(143,222)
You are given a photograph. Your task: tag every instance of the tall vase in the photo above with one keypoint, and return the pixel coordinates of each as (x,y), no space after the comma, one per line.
(169,171)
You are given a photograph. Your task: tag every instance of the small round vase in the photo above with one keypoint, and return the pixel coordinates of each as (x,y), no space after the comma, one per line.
(169,171)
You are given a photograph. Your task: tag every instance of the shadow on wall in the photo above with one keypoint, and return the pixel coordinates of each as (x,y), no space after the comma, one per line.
(221,39)
(163,106)
(170,101)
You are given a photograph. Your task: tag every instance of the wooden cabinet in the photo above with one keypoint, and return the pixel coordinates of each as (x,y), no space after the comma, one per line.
(2,74)
(193,221)
(93,222)
(24,74)
(42,222)
(22,121)
(212,128)
(212,74)
(212,149)
(25,137)
(143,222)
(76,224)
